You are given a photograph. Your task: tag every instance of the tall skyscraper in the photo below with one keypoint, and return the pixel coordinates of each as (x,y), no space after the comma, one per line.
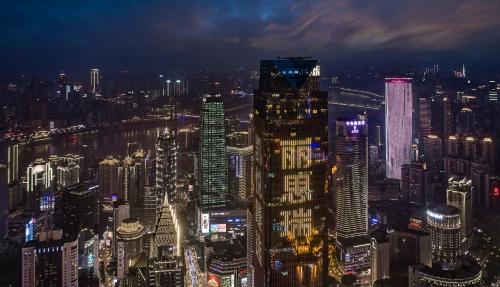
(425,117)
(398,124)
(50,261)
(240,171)
(350,185)
(445,227)
(459,194)
(81,207)
(213,155)
(350,178)
(13,163)
(94,79)
(108,179)
(290,147)
(433,152)
(166,166)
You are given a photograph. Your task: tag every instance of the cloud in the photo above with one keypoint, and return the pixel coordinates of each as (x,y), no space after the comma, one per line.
(154,33)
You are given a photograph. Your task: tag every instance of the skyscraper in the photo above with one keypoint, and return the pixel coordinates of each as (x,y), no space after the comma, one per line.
(350,178)
(13,163)
(398,124)
(445,227)
(459,194)
(290,147)
(108,179)
(213,156)
(94,79)
(240,170)
(350,185)
(50,261)
(166,166)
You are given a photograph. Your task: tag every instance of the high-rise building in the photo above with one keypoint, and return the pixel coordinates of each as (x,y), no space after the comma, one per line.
(398,124)
(94,80)
(213,155)
(350,184)
(290,147)
(433,152)
(240,171)
(459,194)
(166,166)
(121,211)
(425,117)
(127,181)
(81,207)
(493,91)
(350,179)
(108,179)
(443,222)
(413,182)
(13,163)
(50,261)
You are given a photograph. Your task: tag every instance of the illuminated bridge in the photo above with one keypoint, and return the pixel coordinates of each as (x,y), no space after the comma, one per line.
(355,98)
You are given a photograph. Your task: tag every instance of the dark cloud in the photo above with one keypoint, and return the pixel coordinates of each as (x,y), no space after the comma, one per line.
(176,35)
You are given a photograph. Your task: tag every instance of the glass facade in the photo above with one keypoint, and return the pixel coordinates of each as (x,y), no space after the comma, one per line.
(290,146)
(213,155)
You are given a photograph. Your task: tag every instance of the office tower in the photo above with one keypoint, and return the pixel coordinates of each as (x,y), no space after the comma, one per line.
(425,117)
(121,211)
(127,181)
(350,184)
(213,155)
(398,124)
(459,195)
(12,163)
(165,254)
(240,171)
(40,174)
(413,182)
(166,166)
(433,152)
(290,147)
(80,207)
(50,261)
(94,80)
(443,222)
(129,244)
(143,163)
(351,178)
(108,179)
(68,174)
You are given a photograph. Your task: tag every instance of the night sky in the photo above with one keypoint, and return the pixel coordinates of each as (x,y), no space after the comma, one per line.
(42,36)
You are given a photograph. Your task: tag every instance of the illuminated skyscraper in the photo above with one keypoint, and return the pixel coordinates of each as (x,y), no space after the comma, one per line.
(459,194)
(166,166)
(443,222)
(94,79)
(240,172)
(213,155)
(398,124)
(290,146)
(425,117)
(350,178)
(350,185)
(108,179)
(13,163)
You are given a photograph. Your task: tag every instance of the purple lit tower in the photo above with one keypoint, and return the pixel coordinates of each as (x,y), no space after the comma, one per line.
(398,124)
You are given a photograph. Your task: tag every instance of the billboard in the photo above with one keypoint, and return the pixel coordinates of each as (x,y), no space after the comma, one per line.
(213,280)
(218,227)
(205,223)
